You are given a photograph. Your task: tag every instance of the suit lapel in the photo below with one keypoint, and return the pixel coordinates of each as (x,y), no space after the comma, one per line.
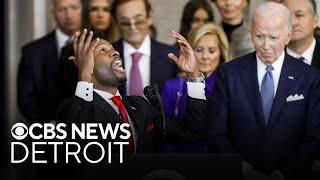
(285,88)
(136,121)
(50,66)
(154,65)
(250,79)
(316,56)
(110,114)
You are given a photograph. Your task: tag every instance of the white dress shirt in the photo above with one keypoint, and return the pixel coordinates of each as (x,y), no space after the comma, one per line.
(307,54)
(61,39)
(144,62)
(277,65)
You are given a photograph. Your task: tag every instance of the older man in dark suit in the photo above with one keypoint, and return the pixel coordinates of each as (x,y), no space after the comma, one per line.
(38,69)
(145,59)
(303,44)
(266,105)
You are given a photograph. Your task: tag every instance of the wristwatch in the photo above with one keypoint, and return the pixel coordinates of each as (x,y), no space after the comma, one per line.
(200,78)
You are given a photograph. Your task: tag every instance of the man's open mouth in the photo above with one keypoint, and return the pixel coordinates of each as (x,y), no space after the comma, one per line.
(117,65)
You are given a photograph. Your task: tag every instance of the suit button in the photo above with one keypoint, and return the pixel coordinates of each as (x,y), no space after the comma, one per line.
(79,108)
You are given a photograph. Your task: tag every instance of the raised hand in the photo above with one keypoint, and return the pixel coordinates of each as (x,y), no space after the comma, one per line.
(186,61)
(84,54)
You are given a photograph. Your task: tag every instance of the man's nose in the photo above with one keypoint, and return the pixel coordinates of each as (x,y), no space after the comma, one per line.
(266,43)
(132,24)
(115,53)
(294,20)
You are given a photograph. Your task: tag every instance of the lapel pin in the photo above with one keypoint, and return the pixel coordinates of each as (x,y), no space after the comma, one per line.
(291,77)
(133,108)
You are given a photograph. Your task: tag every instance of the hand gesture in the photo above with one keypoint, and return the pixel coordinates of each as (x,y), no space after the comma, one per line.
(186,61)
(84,54)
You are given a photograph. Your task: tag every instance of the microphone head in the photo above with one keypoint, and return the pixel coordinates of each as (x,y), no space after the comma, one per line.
(150,94)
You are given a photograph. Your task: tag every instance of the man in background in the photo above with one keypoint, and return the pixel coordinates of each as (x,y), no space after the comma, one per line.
(38,69)
(303,44)
(145,59)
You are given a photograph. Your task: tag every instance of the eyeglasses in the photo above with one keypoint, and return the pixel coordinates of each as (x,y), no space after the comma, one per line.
(136,21)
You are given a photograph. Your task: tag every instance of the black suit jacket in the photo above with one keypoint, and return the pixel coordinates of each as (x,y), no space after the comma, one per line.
(37,79)
(316,56)
(161,68)
(142,114)
(291,140)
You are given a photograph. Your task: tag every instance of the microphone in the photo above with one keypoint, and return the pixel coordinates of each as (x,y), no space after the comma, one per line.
(150,94)
(153,96)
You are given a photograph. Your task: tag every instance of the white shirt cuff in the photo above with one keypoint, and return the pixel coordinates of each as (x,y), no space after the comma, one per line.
(196,90)
(85,91)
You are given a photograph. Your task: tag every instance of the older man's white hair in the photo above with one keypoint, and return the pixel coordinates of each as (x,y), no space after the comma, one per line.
(273,9)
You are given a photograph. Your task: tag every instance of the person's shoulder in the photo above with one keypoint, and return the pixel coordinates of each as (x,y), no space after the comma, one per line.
(239,62)
(117,43)
(41,42)
(136,101)
(160,46)
(304,68)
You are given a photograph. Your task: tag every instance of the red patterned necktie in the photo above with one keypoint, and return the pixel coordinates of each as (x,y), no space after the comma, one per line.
(124,117)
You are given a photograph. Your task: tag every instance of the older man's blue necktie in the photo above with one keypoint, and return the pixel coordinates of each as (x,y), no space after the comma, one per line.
(267,93)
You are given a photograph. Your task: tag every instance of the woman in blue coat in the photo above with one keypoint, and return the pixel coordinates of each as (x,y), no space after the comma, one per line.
(211,49)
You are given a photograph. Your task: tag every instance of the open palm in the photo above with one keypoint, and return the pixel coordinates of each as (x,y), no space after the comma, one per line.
(186,61)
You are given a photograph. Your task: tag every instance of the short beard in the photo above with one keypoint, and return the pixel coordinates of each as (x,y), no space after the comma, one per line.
(121,80)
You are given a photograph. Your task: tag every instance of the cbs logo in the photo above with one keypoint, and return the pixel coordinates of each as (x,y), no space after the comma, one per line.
(19,131)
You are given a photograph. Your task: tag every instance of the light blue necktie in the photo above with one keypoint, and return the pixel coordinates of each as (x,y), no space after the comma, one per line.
(267,93)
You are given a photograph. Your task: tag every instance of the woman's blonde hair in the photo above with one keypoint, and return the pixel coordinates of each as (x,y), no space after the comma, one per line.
(209,28)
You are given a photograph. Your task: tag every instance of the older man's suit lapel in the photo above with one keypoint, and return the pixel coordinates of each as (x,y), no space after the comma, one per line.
(285,88)
(250,79)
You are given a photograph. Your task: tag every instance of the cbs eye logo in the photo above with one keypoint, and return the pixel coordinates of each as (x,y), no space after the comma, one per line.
(19,131)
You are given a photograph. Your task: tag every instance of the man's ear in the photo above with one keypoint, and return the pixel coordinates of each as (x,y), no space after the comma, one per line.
(289,37)
(246,3)
(315,21)
(150,18)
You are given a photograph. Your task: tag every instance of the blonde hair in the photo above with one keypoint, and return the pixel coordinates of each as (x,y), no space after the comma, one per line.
(209,28)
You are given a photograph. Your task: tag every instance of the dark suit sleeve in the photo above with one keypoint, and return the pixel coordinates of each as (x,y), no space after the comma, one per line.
(218,114)
(308,150)
(28,101)
(191,129)
(75,110)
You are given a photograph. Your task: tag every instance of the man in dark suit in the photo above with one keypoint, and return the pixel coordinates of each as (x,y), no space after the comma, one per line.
(98,100)
(266,105)
(303,43)
(38,69)
(145,59)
